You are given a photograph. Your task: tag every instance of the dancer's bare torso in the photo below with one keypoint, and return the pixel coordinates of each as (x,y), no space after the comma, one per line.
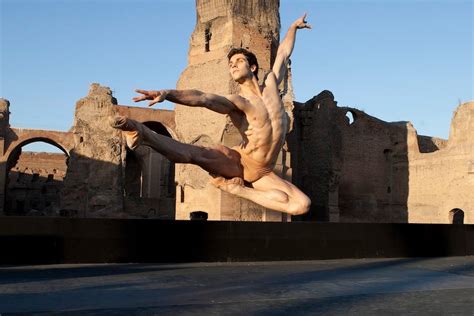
(263,127)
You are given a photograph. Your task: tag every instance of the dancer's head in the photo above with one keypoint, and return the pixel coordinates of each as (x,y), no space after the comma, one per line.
(242,64)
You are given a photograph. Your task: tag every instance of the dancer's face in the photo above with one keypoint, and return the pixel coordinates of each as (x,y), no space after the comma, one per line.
(239,68)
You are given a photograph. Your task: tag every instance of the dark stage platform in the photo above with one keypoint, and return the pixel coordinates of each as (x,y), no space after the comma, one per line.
(36,240)
(407,286)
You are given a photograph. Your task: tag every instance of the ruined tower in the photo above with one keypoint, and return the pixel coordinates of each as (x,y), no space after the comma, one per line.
(92,187)
(221,25)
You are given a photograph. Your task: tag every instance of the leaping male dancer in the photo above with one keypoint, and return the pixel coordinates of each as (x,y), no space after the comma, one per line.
(257,112)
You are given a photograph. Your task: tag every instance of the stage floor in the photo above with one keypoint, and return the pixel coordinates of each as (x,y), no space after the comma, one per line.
(409,286)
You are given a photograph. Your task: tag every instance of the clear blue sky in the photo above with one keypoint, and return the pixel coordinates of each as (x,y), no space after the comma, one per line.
(405,60)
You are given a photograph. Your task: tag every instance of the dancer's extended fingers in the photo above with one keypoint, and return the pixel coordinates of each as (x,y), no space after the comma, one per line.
(146,92)
(140,98)
(153,102)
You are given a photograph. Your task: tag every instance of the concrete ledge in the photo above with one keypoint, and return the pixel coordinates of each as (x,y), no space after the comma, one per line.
(35,240)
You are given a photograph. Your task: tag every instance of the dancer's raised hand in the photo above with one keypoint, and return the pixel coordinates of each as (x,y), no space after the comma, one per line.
(301,23)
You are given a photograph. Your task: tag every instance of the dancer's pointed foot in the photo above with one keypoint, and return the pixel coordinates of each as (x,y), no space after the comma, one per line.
(229,185)
(131,129)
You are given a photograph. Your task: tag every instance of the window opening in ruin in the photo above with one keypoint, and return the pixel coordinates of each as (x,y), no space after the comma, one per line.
(207,38)
(182,193)
(350,117)
(456,216)
(50,178)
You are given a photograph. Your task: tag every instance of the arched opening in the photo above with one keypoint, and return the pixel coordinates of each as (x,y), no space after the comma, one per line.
(35,172)
(350,117)
(456,216)
(149,177)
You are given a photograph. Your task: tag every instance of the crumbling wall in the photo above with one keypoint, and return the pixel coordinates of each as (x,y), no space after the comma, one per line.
(443,180)
(357,168)
(96,155)
(34,184)
(4,125)
(93,183)
(353,166)
(373,184)
(315,144)
(12,141)
(4,116)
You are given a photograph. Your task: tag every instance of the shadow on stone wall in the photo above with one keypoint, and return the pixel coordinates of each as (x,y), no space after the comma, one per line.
(32,194)
(91,188)
(354,167)
(428,144)
(95,188)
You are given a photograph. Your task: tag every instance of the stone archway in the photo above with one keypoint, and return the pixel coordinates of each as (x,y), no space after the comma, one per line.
(16,148)
(149,178)
(33,179)
(16,138)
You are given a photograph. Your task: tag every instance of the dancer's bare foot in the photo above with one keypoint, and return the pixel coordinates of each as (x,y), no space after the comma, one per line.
(228,185)
(131,130)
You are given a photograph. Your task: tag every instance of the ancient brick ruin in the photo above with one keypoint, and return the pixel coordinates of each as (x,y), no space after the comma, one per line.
(34,183)
(101,178)
(355,167)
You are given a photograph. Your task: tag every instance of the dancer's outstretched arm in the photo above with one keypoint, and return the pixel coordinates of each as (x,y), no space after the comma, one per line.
(211,101)
(286,48)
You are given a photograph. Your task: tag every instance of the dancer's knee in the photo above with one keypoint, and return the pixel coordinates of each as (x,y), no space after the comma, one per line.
(300,206)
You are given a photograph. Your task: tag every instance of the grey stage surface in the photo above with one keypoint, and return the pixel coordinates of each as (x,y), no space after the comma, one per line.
(414,286)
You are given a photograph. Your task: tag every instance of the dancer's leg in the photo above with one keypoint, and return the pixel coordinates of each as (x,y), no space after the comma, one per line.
(270,191)
(219,160)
